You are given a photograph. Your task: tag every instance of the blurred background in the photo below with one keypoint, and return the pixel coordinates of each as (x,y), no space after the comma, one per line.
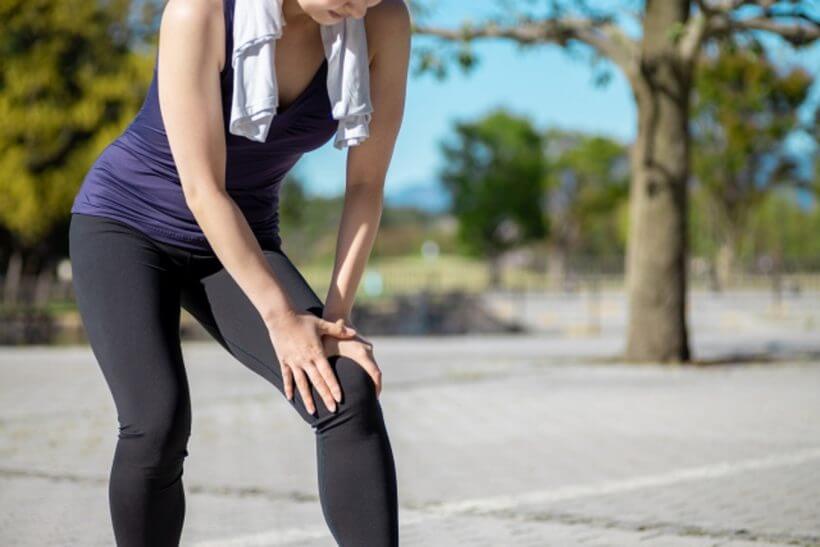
(578,186)
(511,177)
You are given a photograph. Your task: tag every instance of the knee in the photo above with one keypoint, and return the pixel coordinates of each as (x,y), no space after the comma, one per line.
(156,442)
(359,411)
(358,389)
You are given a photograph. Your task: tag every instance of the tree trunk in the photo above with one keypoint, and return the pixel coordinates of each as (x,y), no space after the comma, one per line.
(494,268)
(657,246)
(14,274)
(42,290)
(557,266)
(725,262)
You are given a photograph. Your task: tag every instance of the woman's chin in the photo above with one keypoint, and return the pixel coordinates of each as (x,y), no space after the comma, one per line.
(327,18)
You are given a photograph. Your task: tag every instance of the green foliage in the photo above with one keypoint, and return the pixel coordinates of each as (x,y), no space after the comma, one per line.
(779,227)
(495,171)
(68,85)
(294,204)
(783,229)
(588,187)
(744,111)
(309,225)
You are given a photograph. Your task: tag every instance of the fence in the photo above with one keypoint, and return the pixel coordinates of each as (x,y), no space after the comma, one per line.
(42,308)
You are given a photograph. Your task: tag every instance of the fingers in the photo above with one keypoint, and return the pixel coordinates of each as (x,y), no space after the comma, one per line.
(373,370)
(321,386)
(319,373)
(287,380)
(323,365)
(337,329)
(304,389)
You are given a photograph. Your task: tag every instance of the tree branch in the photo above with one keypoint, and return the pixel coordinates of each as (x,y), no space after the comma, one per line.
(604,36)
(694,34)
(795,33)
(795,26)
(727,6)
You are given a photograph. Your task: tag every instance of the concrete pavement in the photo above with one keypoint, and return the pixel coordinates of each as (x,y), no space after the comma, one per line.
(499,441)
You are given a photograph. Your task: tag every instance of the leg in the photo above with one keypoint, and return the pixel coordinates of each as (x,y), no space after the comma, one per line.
(127,292)
(357,476)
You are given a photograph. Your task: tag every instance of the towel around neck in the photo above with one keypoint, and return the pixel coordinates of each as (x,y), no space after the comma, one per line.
(257,25)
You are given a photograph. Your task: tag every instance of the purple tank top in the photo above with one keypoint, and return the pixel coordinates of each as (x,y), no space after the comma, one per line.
(134,179)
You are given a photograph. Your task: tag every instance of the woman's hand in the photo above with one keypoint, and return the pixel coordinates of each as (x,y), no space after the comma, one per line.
(360,350)
(297,340)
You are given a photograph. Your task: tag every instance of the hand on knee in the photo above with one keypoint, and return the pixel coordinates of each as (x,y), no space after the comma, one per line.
(359,412)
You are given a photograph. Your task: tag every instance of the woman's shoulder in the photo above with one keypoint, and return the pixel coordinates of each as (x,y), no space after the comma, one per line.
(388,20)
(201,13)
(390,13)
(187,23)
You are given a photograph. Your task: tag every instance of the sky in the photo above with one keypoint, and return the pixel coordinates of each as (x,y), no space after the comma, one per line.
(545,83)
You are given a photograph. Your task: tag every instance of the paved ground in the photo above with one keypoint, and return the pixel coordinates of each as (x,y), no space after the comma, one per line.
(499,441)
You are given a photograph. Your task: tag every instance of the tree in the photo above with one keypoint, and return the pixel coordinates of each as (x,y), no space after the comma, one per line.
(495,172)
(294,203)
(786,229)
(744,111)
(588,179)
(659,67)
(69,82)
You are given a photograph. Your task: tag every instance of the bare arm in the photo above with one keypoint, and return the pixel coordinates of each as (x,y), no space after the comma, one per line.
(190,102)
(388,31)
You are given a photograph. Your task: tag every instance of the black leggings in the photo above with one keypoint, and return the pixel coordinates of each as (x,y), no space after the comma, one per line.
(130,289)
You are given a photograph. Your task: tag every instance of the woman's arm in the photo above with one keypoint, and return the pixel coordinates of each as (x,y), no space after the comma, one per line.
(191,105)
(388,36)
(190,102)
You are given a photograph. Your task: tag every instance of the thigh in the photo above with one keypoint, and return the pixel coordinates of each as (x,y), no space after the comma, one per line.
(220,305)
(128,293)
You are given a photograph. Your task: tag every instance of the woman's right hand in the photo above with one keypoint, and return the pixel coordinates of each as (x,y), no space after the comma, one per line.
(297,341)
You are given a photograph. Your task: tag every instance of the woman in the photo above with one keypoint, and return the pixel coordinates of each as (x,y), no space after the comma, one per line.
(178,212)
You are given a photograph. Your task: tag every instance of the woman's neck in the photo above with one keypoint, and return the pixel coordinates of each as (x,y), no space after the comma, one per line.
(291,10)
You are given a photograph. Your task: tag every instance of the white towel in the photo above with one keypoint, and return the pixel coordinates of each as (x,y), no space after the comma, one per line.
(257,25)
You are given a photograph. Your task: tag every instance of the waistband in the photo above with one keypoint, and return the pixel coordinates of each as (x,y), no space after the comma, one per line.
(176,251)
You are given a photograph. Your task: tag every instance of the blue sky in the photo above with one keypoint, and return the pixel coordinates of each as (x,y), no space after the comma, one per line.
(545,83)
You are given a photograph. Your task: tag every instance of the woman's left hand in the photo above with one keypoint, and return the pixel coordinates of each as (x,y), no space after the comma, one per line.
(360,350)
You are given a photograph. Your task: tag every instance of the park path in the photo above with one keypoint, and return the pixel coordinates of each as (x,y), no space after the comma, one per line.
(499,441)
